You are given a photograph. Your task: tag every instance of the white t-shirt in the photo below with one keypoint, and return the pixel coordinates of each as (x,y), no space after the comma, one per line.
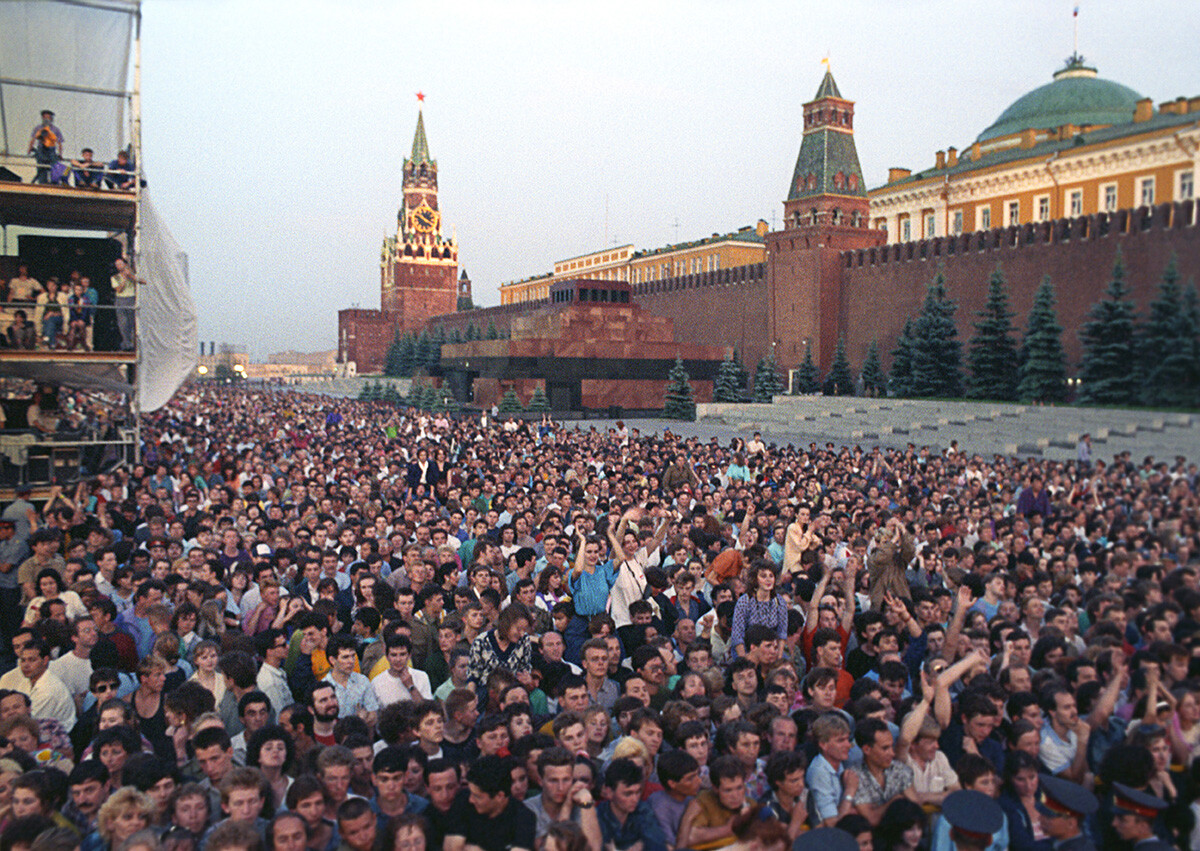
(389,689)
(74,672)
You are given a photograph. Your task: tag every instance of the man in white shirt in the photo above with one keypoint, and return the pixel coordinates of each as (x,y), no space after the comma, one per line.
(272,680)
(399,681)
(48,696)
(75,668)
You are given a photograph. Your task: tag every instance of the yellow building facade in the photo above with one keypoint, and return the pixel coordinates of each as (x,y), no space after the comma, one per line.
(625,263)
(1077,146)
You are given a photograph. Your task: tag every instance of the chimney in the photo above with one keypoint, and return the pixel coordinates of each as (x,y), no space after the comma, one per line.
(895,174)
(762,227)
(976,151)
(1028,138)
(1144,110)
(951,157)
(940,161)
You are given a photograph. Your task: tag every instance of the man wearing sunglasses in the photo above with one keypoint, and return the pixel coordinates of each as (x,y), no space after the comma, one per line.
(103,684)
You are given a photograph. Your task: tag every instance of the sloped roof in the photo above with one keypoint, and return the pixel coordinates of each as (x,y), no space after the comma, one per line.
(824,154)
(828,88)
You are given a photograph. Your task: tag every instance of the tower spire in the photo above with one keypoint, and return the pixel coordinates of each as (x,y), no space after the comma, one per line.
(420,148)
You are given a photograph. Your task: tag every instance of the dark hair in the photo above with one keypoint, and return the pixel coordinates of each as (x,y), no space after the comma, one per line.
(210,736)
(269,733)
(900,816)
(673,766)
(781,764)
(725,768)
(623,771)
(492,774)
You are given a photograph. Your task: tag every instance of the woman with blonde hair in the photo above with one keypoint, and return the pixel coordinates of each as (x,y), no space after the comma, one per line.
(631,748)
(126,812)
(597,729)
(148,703)
(207,654)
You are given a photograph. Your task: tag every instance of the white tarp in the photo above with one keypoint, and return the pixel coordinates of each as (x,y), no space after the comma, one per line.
(76,44)
(168,337)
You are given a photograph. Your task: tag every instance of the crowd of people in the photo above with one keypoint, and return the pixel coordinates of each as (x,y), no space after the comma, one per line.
(46,143)
(307,623)
(55,315)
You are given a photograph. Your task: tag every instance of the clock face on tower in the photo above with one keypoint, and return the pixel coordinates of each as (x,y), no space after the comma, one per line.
(424,219)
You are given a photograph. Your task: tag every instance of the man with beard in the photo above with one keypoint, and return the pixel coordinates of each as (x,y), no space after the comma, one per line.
(323,704)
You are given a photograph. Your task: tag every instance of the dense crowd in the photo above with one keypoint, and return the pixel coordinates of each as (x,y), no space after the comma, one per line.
(304,623)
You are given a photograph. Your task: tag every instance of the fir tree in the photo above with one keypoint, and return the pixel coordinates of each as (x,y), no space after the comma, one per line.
(1166,347)
(808,377)
(456,336)
(390,395)
(492,333)
(364,392)
(421,352)
(538,402)
(873,377)
(440,405)
(413,399)
(841,378)
(510,403)
(1106,374)
(902,358)
(408,351)
(727,389)
(1042,376)
(742,373)
(393,363)
(767,384)
(993,354)
(472,331)
(1191,313)
(429,397)
(678,403)
(936,355)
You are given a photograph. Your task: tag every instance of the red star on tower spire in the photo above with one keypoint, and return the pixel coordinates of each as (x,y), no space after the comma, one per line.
(421,97)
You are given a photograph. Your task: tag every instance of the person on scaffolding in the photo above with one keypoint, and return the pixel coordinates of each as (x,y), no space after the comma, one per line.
(46,144)
(124,285)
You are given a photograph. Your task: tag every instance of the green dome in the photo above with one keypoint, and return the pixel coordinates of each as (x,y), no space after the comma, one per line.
(1077,96)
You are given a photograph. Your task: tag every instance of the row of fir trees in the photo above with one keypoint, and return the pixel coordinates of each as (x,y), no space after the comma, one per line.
(410,353)
(1126,360)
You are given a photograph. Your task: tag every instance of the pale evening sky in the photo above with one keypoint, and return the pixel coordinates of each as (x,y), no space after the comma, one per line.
(274,131)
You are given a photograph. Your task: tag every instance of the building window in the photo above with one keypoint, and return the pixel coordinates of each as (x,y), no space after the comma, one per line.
(958,222)
(930,225)
(1014,213)
(905,231)
(1108,198)
(985,218)
(1187,185)
(716,262)
(1146,191)
(1075,202)
(1043,208)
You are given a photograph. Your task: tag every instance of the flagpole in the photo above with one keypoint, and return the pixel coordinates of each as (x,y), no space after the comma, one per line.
(1075,19)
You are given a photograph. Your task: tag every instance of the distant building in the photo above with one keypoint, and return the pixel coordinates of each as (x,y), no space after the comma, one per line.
(625,263)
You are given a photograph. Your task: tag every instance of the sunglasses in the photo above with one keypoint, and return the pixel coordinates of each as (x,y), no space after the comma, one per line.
(104,687)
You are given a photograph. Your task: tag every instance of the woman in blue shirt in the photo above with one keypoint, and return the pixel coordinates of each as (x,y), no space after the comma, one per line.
(589,583)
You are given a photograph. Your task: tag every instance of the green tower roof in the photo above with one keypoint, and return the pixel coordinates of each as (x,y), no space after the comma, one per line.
(828,159)
(1077,96)
(420,149)
(828,88)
